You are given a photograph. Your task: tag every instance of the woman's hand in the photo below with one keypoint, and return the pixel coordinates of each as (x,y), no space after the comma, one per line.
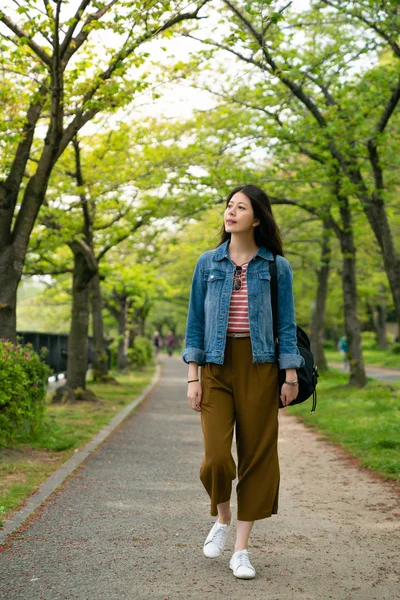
(289,393)
(194,395)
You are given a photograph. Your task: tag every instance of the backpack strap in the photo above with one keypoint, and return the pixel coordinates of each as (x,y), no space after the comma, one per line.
(274,302)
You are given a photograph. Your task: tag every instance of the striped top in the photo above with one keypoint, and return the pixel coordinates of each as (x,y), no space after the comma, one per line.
(238,319)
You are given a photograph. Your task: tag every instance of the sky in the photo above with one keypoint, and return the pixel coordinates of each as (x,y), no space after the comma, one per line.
(180,101)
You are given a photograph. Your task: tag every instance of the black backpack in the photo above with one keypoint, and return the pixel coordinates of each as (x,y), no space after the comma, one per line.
(308,374)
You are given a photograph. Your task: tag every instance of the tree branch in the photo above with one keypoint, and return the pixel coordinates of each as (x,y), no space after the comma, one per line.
(79,245)
(323,217)
(292,85)
(67,49)
(87,227)
(389,109)
(82,117)
(393,44)
(40,53)
(123,237)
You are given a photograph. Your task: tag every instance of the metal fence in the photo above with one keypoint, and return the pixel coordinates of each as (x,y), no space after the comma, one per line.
(57,345)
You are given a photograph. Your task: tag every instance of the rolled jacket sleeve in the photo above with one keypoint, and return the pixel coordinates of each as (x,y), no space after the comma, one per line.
(289,354)
(194,338)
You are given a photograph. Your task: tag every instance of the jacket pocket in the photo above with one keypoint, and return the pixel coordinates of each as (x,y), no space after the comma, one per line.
(264,275)
(212,276)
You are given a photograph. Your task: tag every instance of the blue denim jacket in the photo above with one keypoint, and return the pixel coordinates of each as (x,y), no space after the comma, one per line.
(210,296)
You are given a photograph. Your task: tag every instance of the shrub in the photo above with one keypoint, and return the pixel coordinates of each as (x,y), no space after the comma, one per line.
(23,379)
(369,340)
(329,345)
(396,348)
(142,352)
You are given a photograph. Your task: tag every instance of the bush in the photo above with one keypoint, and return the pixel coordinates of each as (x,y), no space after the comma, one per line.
(23,377)
(142,352)
(329,345)
(396,348)
(369,340)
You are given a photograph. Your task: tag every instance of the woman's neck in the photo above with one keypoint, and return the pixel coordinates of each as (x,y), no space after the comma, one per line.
(242,248)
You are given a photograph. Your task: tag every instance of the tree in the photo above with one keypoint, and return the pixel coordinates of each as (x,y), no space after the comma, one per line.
(68,83)
(351,126)
(310,91)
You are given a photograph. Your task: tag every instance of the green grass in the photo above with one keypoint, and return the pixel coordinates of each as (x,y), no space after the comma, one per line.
(378,358)
(69,427)
(365,422)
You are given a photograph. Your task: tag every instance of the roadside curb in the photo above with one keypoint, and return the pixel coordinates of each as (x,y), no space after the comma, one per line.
(48,486)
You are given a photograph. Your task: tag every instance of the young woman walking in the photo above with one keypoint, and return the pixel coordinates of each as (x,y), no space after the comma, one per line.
(229,334)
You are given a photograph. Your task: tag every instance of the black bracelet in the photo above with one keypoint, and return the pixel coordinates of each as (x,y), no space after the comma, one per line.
(193,380)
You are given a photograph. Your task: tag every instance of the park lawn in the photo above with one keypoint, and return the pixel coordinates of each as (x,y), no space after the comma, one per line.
(24,467)
(373,358)
(365,422)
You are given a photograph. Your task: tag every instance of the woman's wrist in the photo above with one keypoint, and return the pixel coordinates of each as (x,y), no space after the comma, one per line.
(193,372)
(291,376)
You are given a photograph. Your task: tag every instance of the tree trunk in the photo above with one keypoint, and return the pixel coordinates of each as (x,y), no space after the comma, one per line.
(352,324)
(123,331)
(318,323)
(100,359)
(378,220)
(14,245)
(10,278)
(132,335)
(380,326)
(371,325)
(78,337)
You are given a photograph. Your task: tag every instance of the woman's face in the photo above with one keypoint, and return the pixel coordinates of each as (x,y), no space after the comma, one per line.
(239,214)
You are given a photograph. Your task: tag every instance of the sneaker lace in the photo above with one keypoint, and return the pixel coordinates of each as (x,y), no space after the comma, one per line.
(244,560)
(218,536)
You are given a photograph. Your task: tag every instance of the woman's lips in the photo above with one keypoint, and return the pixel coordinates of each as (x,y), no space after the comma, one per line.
(229,221)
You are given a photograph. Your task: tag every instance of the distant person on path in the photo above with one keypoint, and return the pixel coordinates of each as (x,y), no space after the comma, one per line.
(170,342)
(229,334)
(343,347)
(157,342)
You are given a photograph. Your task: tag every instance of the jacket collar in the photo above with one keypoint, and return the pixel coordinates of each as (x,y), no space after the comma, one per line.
(222,252)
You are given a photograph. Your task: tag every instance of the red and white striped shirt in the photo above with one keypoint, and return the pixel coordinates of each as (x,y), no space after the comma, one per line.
(238,319)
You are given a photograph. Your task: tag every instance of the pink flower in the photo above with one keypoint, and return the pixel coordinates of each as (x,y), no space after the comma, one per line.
(34,385)
(5,356)
(28,345)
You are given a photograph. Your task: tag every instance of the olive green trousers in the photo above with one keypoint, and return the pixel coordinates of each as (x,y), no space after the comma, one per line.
(244,395)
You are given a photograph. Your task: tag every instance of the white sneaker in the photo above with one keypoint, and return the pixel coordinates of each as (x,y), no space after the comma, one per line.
(215,541)
(241,565)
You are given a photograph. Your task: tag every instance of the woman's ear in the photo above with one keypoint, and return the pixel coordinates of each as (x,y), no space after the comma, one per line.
(256,223)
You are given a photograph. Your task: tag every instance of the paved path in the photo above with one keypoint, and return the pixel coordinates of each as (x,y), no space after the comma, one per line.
(382,373)
(130,523)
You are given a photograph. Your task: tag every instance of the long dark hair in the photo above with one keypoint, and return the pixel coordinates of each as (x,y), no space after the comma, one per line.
(267,232)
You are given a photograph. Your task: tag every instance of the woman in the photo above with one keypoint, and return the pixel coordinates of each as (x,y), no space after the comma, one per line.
(229,334)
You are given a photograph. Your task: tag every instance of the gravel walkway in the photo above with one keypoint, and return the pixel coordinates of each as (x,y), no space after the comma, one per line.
(131,521)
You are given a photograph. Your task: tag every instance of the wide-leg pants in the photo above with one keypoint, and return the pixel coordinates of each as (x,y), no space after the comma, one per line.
(244,395)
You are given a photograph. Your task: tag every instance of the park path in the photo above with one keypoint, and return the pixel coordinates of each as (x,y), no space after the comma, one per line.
(130,522)
(382,373)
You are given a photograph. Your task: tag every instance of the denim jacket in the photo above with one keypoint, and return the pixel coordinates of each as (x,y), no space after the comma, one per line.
(207,320)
